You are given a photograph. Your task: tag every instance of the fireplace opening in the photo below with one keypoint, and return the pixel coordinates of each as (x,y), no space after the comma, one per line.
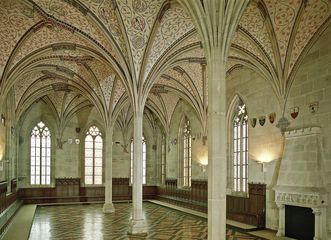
(299,223)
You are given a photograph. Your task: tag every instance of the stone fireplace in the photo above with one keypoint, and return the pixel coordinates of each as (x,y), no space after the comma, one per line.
(301,179)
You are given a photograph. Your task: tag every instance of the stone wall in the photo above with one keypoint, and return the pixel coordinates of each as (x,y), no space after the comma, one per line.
(264,140)
(313,84)
(199,150)
(68,161)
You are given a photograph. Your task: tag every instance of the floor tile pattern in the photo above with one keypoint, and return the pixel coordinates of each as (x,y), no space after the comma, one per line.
(88,222)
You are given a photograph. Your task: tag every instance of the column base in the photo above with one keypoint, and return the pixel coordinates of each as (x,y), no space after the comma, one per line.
(108,208)
(138,226)
(280,233)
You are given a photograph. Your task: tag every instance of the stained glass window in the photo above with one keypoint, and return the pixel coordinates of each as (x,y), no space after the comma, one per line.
(240,148)
(93,156)
(40,155)
(144,152)
(187,146)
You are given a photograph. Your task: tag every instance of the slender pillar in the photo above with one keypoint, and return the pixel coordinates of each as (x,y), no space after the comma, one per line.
(317,212)
(217,170)
(108,207)
(281,220)
(137,222)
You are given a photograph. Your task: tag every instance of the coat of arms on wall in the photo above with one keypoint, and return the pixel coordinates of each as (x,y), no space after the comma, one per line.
(272,117)
(294,112)
(253,122)
(262,120)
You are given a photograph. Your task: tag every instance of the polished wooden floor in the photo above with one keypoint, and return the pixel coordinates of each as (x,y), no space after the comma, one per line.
(88,222)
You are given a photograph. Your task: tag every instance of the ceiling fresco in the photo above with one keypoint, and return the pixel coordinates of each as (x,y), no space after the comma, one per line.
(75,53)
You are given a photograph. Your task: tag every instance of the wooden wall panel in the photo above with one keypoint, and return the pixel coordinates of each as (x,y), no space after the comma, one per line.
(70,190)
(250,210)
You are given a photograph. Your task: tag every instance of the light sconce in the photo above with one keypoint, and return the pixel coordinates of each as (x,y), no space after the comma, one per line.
(3,119)
(203,164)
(262,159)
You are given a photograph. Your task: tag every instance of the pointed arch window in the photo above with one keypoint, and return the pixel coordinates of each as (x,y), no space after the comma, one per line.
(187,154)
(40,155)
(144,152)
(240,148)
(93,156)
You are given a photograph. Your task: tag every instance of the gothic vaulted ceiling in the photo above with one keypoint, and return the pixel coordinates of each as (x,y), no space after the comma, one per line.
(75,54)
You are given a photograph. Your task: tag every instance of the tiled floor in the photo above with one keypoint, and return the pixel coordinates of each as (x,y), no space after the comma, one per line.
(90,223)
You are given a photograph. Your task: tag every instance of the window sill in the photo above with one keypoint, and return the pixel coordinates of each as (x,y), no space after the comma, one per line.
(239,194)
(93,185)
(41,186)
(185,188)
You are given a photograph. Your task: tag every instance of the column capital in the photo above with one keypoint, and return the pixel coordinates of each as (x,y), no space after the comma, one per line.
(280,206)
(317,211)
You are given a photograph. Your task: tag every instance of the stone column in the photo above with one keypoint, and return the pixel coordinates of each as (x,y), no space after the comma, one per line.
(108,207)
(137,222)
(281,220)
(217,170)
(317,212)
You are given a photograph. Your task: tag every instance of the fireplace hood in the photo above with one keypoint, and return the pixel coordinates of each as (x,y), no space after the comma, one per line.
(301,177)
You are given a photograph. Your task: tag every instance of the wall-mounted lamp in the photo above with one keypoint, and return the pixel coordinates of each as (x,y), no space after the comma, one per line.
(3,120)
(203,164)
(262,159)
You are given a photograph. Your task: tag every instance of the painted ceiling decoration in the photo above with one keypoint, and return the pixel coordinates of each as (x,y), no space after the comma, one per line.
(274,36)
(110,53)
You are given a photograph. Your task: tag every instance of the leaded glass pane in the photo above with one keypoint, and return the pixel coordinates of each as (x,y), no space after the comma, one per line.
(98,153)
(98,170)
(93,156)
(98,180)
(88,171)
(88,153)
(98,162)
(33,179)
(88,162)
(240,147)
(88,179)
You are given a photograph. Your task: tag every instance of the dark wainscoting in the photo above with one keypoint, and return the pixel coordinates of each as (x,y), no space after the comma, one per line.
(6,200)
(250,210)
(70,190)
(194,198)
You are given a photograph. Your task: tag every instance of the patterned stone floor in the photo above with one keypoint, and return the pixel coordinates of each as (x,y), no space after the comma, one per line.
(88,222)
